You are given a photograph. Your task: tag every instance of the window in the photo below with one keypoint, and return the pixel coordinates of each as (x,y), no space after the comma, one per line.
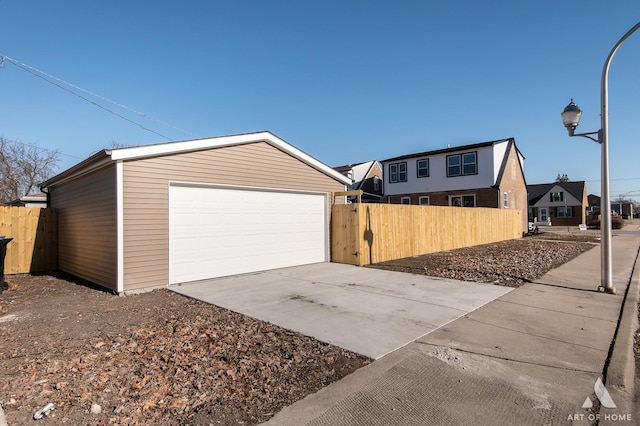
(397,172)
(423,201)
(469,163)
(505,200)
(556,196)
(423,168)
(543,214)
(462,164)
(564,212)
(453,165)
(405,200)
(376,183)
(462,200)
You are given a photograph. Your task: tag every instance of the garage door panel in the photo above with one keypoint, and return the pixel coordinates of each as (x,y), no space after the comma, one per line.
(217,232)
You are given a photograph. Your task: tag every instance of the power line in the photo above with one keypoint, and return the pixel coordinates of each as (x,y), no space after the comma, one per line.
(598,180)
(46,77)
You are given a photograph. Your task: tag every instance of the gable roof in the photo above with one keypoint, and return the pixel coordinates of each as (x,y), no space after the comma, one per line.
(37,198)
(536,192)
(449,149)
(505,159)
(360,171)
(107,156)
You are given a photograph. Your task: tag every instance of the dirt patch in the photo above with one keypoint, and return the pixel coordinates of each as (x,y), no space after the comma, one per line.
(508,263)
(151,358)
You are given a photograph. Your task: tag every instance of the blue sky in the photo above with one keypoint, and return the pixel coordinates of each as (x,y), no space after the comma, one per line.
(345,81)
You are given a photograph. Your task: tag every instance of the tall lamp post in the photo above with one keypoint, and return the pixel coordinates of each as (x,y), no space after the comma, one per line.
(571,118)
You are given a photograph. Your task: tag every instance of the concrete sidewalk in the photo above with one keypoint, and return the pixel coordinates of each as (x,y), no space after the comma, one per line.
(532,356)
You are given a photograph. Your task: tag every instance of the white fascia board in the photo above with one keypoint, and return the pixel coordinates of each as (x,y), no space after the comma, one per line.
(219,142)
(120,227)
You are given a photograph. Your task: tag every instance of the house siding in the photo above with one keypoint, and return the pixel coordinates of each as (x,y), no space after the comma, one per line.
(438,179)
(87,227)
(146,196)
(514,185)
(485,197)
(370,194)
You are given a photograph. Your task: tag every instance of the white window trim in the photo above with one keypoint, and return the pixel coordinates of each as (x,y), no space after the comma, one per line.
(398,171)
(449,174)
(505,200)
(462,164)
(403,199)
(418,168)
(475,163)
(424,197)
(393,170)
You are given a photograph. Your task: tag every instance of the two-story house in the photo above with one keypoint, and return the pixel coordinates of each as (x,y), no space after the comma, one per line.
(558,203)
(365,176)
(487,174)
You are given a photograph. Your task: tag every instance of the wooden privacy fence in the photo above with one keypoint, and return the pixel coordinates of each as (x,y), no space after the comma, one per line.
(34,233)
(362,234)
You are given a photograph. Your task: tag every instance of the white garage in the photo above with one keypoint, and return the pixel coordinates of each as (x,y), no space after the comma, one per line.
(219,231)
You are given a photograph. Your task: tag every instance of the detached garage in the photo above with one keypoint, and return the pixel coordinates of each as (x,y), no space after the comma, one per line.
(164,214)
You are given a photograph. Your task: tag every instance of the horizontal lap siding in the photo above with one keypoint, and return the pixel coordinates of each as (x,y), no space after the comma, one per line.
(146,195)
(87,227)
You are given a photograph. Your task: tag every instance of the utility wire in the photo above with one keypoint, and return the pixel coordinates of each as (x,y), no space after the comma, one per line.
(39,73)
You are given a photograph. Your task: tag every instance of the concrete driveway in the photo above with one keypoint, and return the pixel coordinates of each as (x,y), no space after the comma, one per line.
(367,311)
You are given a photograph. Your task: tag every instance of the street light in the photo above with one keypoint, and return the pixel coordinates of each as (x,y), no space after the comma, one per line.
(571,118)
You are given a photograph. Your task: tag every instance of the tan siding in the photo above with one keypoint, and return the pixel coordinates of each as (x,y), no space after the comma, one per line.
(87,227)
(146,208)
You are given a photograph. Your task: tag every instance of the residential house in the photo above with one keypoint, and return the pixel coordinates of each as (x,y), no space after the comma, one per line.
(558,203)
(623,208)
(366,177)
(593,206)
(487,174)
(32,200)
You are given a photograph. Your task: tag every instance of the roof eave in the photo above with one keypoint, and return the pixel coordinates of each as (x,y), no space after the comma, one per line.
(96,161)
(104,157)
(447,150)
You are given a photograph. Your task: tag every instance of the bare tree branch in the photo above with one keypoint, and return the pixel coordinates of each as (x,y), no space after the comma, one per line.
(23,167)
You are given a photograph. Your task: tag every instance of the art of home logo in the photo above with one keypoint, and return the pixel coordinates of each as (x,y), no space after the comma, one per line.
(605,402)
(603,395)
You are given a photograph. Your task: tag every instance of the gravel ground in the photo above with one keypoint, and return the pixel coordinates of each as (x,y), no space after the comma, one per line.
(161,358)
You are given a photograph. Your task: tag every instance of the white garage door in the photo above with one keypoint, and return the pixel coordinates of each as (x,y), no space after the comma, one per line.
(215,232)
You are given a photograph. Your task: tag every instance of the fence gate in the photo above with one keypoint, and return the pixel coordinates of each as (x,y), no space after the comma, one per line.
(344,234)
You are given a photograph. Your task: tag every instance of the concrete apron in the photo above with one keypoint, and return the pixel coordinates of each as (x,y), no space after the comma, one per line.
(367,311)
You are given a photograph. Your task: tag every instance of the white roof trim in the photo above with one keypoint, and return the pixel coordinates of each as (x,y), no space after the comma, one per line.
(218,142)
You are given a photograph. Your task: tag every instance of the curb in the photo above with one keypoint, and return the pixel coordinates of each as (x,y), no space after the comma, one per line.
(3,419)
(621,371)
